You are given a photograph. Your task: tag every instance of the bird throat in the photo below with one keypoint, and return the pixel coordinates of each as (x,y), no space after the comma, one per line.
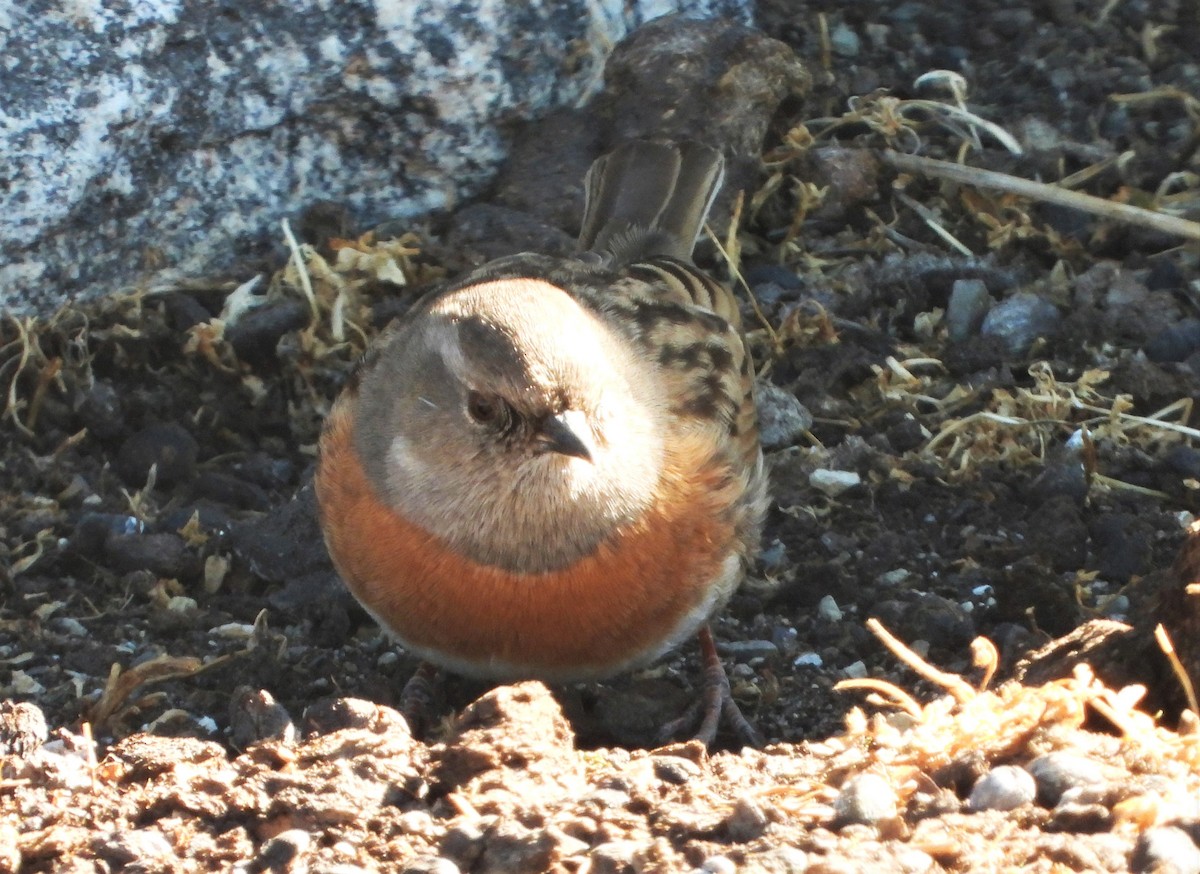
(542,518)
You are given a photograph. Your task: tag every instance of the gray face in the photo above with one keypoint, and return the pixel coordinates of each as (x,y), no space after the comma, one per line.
(510,422)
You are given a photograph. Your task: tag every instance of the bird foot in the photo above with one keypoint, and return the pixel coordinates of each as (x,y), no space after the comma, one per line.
(717,704)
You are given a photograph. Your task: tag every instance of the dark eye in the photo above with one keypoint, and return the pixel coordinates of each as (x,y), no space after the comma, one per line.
(486,409)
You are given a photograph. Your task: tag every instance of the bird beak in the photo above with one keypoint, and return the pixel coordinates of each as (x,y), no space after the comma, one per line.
(562,434)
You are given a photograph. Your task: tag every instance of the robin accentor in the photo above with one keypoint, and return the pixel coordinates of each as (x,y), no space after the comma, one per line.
(551,469)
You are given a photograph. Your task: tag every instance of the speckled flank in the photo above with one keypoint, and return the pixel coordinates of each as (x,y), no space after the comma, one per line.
(189,129)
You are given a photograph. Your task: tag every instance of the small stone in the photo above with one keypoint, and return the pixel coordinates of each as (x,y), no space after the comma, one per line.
(1165,848)
(855,670)
(745,650)
(674,770)
(165,554)
(1055,773)
(126,848)
(100,410)
(844,41)
(255,715)
(1004,788)
(1087,819)
(327,715)
(281,852)
(865,800)
(969,303)
(431,865)
(257,332)
(1019,320)
(168,448)
(22,728)
(747,821)
(833,482)
(719,865)
(1175,343)
(828,609)
(777,860)
(464,842)
(782,419)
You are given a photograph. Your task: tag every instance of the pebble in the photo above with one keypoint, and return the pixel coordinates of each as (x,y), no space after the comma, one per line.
(134,847)
(855,670)
(169,447)
(777,860)
(865,800)
(1175,343)
(22,728)
(1183,460)
(100,410)
(844,41)
(718,865)
(828,609)
(1055,773)
(833,482)
(674,770)
(808,660)
(747,821)
(785,638)
(281,851)
(969,304)
(257,332)
(1004,788)
(1089,819)
(782,419)
(69,626)
(431,865)
(1019,320)
(1165,848)
(165,554)
(745,650)
(255,715)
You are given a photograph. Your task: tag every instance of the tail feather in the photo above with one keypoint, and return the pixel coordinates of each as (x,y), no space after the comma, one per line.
(647,199)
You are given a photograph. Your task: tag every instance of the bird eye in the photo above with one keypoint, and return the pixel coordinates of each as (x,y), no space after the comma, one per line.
(485,409)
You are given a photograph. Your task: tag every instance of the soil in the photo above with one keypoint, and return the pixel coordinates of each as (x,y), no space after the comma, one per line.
(187,685)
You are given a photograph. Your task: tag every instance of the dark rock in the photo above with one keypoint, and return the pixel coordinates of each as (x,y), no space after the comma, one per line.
(165,555)
(169,447)
(257,332)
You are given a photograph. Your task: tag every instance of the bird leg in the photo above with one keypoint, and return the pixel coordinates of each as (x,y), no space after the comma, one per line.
(717,702)
(416,700)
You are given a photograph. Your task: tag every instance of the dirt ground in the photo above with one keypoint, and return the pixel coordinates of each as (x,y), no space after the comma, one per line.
(212,697)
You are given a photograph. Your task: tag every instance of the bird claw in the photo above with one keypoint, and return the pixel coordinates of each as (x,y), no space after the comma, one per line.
(717,704)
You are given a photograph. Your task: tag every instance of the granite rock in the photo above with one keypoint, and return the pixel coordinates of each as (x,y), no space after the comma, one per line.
(146,141)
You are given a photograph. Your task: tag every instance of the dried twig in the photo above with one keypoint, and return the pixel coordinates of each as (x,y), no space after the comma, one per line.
(1043,192)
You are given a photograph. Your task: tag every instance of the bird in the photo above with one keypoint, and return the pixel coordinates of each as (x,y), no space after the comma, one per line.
(550,468)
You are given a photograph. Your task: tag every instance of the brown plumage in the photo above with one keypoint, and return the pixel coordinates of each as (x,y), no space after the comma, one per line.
(551,469)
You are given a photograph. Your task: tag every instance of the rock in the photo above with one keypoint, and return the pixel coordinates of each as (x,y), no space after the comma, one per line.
(190,130)
(1020,320)
(969,303)
(1055,773)
(165,554)
(782,419)
(283,851)
(1165,848)
(255,715)
(1175,343)
(169,448)
(1004,788)
(833,482)
(865,799)
(22,728)
(747,821)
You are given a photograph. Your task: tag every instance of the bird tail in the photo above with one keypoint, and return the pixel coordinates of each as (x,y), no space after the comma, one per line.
(647,199)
